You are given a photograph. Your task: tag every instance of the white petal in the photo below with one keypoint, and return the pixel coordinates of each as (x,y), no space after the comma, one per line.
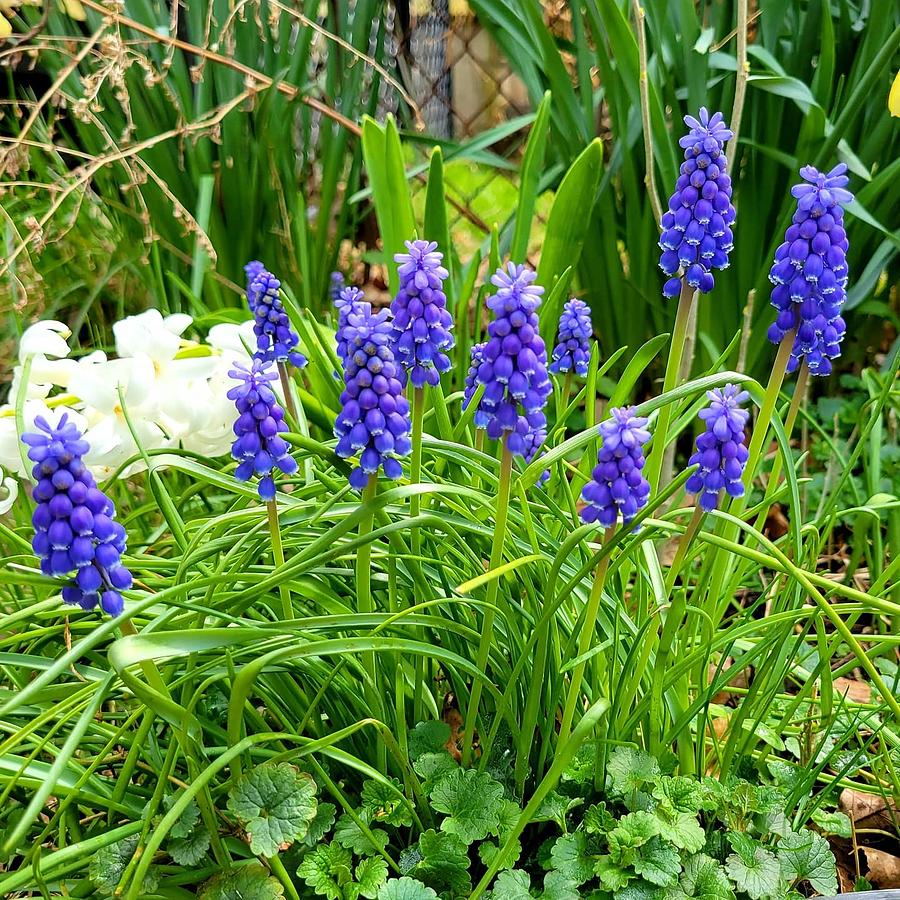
(48,337)
(177,323)
(9,490)
(145,333)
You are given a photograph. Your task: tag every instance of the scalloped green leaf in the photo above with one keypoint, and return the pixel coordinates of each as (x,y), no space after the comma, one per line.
(252,882)
(275,804)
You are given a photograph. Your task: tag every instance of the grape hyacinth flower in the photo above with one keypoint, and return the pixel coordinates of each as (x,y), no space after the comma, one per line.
(258,447)
(74,521)
(696,229)
(617,483)
(335,286)
(514,360)
(275,339)
(573,352)
(349,300)
(476,358)
(421,322)
(721,448)
(374,417)
(810,271)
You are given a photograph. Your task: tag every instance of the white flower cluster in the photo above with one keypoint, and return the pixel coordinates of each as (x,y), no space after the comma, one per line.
(173,391)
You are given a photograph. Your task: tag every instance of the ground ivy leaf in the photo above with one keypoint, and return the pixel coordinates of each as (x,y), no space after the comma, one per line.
(251,882)
(109,863)
(444,863)
(612,876)
(598,819)
(472,801)
(632,831)
(275,803)
(642,890)
(806,856)
(405,888)
(321,824)
(189,817)
(684,831)
(677,794)
(188,851)
(833,822)
(512,884)
(327,870)
(554,809)
(427,737)
(348,834)
(371,874)
(384,804)
(558,886)
(629,769)
(757,873)
(431,766)
(658,862)
(703,879)
(570,857)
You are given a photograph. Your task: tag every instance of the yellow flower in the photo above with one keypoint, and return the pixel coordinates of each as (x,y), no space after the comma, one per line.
(894,97)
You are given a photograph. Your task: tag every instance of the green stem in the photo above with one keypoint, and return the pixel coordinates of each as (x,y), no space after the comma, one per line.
(365,604)
(719,588)
(279,871)
(289,403)
(761,427)
(287,612)
(415,476)
(564,392)
(588,630)
(487,628)
(789,423)
(415,468)
(671,624)
(673,368)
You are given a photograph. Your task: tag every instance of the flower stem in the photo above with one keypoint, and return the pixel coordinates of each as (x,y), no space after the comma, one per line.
(761,426)
(588,629)
(671,624)
(673,368)
(365,605)
(649,176)
(415,476)
(564,392)
(278,554)
(415,468)
(487,628)
(289,403)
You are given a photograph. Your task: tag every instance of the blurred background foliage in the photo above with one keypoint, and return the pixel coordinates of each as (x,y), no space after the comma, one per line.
(151,149)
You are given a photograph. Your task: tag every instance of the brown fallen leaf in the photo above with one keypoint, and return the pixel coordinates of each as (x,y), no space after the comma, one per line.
(859,805)
(883,868)
(777,524)
(858,691)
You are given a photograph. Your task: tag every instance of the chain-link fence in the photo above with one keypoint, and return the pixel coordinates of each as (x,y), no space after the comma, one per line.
(464,86)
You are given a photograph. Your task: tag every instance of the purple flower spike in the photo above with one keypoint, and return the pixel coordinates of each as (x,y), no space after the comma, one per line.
(477,358)
(573,352)
(721,449)
(275,339)
(335,286)
(617,485)
(514,360)
(810,271)
(74,521)
(258,446)
(374,419)
(696,229)
(350,299)
(421,322)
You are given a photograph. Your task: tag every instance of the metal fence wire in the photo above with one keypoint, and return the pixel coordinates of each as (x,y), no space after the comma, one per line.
(463,86)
